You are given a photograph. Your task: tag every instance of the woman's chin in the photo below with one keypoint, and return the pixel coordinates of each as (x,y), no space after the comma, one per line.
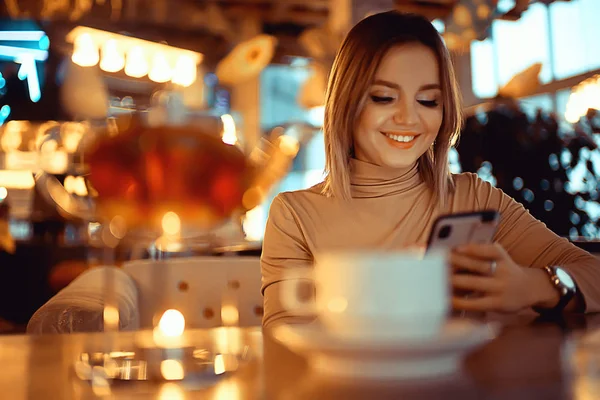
(398,163)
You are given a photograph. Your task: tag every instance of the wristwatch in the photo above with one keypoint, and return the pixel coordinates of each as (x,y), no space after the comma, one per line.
(566,287)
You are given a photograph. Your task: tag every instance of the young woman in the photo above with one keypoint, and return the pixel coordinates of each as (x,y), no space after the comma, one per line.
(392,113)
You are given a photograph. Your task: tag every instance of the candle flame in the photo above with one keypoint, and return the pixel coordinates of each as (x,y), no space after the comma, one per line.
(172,323)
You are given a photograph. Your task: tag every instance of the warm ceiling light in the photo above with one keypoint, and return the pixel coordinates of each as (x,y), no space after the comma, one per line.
(161,70)
(85,51)
(185,71)
(168,63)
(112,59)
(136,65)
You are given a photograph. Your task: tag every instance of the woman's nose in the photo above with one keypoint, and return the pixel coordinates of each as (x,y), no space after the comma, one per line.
(406,114)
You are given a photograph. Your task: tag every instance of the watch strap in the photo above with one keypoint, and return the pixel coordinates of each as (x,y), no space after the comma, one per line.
(566,294)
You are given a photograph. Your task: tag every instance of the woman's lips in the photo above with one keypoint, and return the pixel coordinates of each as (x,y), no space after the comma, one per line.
(397,140)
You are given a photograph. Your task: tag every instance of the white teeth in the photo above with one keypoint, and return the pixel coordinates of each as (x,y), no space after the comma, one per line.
(400,138)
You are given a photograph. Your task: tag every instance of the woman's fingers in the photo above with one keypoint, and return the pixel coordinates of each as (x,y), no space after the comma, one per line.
(476,283)
(462,262)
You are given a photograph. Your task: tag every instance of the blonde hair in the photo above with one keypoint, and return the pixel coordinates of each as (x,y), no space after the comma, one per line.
(354,69)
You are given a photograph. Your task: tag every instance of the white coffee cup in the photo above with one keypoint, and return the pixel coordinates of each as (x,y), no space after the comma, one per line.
(375,294)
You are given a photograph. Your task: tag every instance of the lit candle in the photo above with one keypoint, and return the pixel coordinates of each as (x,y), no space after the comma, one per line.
(169,332)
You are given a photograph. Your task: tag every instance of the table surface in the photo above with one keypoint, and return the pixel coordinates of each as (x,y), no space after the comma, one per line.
(528,360)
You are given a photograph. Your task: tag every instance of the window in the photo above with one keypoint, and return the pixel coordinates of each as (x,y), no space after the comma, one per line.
(576,48)
(483,67)
(280,85)
(562,36)
(519,44)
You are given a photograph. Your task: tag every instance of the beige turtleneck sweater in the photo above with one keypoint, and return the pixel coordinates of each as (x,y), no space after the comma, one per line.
(389,211)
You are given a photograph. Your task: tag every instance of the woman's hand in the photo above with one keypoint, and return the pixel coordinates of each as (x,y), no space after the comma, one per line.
(501,284)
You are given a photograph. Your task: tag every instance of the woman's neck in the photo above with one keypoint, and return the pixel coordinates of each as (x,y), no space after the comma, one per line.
(371,180)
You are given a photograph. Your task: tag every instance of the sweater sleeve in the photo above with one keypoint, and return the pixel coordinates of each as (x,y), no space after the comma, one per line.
(531,244)
(284,247)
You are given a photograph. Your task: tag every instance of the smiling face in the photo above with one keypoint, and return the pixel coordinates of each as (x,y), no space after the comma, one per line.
(403,109)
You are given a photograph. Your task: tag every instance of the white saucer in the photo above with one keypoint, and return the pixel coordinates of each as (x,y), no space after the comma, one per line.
(370,358)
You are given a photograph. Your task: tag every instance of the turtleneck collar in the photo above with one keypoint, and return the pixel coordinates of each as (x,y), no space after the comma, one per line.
(370,180)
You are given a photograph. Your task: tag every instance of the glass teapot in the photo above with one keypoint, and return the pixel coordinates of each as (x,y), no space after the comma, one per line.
(146,168)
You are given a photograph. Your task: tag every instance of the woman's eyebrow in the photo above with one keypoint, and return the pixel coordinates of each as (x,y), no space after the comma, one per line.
(430,86)
(386,83)
(393,85)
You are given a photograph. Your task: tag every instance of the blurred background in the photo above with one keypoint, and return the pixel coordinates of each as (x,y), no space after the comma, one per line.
(529,73)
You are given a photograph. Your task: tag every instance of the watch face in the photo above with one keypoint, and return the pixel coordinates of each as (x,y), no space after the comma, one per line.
(565,278)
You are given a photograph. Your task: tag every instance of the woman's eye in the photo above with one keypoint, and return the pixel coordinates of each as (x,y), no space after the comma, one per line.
(381,99)
(429,103)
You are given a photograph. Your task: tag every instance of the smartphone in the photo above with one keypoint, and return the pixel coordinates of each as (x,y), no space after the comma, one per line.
(452,230)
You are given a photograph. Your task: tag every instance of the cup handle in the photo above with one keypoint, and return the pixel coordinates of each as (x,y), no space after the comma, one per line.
(289,292)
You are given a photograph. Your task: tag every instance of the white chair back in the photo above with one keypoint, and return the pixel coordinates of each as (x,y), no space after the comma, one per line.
(209,291)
